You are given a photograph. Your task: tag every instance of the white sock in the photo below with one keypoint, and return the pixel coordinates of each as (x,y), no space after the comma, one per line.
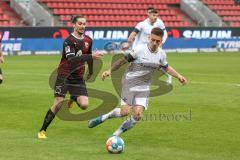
(126,125)
(116,112)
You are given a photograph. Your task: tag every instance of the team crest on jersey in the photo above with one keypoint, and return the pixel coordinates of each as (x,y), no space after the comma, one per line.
(79,53)
(67,49)
(86,45)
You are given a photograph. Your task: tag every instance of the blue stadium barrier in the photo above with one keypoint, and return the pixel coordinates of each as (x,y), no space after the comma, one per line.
(50,44)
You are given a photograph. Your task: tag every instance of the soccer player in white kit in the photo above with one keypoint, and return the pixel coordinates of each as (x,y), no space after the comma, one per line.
(136,82)
(142,30)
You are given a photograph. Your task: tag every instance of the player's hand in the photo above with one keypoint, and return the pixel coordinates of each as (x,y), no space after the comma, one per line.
(97,55)
(125,46)
(106,74)
(182,80)
(1,59)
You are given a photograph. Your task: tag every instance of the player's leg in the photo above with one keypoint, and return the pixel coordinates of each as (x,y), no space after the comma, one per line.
(115,113)
(79,95)
(141,103)
(50,115)
(82,102)
(60,91)
(1,76)
(131,121)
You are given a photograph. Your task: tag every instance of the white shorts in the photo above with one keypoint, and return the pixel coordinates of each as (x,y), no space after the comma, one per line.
(133,97)
(137,101)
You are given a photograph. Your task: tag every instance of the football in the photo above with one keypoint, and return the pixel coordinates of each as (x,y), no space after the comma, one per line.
(115,144)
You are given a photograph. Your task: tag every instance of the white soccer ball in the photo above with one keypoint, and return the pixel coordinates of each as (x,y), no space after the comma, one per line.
(115,144)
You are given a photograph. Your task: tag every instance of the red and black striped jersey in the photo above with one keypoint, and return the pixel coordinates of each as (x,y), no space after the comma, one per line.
(74,47)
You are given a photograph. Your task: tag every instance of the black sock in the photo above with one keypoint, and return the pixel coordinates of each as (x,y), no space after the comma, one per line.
(47,120)
(1,74)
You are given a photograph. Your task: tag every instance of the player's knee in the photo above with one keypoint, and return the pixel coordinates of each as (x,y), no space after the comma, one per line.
(59,99)
(137,116)
(125,111)
(82,104)
(58,102)
(1,78)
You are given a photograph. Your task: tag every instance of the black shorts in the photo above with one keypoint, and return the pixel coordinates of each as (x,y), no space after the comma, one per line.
(0,71)
(75,87)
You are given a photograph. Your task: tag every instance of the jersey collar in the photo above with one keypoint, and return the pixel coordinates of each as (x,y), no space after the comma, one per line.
(148,20)
(78,37)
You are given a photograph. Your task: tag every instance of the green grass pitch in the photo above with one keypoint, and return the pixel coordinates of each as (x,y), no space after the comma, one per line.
(208,127)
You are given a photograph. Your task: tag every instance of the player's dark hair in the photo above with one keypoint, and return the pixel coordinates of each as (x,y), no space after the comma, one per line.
(75,18)
(151,9)
(157,31)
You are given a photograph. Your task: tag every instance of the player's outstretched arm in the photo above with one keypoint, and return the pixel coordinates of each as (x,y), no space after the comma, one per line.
(97,55)
(115,66)
(127,44)
(175,74)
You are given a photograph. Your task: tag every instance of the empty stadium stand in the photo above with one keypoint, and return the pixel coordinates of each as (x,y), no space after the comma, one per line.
(227,9)
(114,13)
(8,17)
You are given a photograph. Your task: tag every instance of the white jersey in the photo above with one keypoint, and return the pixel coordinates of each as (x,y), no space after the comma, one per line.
(144,28)
(137,79)
(139,72)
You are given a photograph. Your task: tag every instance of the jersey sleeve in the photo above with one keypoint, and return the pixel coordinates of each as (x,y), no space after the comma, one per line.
(138,27)
(69,50)
(163,60)
(90,48)
(131,56)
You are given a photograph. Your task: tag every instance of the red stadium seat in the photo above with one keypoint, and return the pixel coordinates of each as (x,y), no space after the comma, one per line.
(112,12)
(226,9)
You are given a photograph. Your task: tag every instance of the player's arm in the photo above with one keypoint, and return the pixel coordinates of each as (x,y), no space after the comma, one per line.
(130,40)
(71,56)
(76,60)
(132,36)
(90,63)
(116,65)
(170,70)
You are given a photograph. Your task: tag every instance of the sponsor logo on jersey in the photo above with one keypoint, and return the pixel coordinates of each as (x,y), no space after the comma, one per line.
(79,53)
(67,49)
(86,45)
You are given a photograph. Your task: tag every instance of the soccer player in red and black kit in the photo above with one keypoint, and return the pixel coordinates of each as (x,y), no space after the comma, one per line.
(1,60)
(77,49)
